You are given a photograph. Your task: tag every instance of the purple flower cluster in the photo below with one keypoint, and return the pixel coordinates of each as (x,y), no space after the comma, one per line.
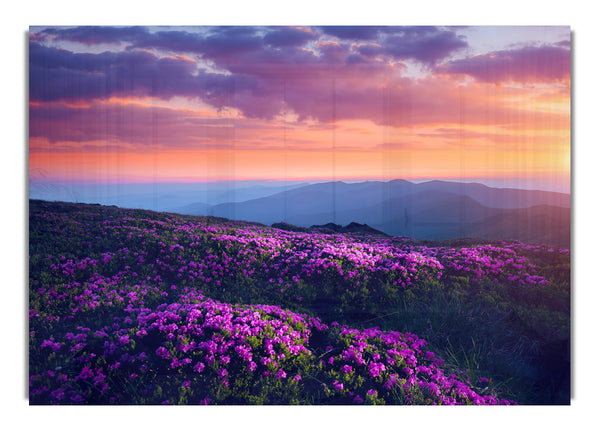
(199,336)
(414,371)
(285,258)
(209,334)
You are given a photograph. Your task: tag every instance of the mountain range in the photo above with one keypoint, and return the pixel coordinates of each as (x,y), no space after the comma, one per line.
(428,210)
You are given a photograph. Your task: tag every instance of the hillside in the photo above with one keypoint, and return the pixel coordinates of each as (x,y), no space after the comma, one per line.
(542,224)
(138,307)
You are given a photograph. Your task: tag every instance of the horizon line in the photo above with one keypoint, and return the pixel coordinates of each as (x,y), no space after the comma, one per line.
(508,183)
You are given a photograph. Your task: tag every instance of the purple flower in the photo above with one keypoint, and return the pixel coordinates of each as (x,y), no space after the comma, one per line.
(375,368)
(86,373)
(338,386)
(347,369)
(55,347)
(163,353)
(77,347)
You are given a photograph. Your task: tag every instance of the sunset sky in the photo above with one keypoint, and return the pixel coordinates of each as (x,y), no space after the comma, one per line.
(195,104)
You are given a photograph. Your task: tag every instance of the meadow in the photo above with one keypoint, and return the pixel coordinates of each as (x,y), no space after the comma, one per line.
(141,307)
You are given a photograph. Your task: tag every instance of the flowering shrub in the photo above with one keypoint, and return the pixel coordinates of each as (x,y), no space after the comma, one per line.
(201,351)
(135,307)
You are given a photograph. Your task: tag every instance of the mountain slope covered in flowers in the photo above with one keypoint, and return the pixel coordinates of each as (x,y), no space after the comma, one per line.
(138,307)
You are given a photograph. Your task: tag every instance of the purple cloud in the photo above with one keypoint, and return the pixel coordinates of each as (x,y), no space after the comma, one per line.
(216,44)
(91,35)
(528,64)
(369,49)
(422,43)
(285,37)
(36,37)
(425,45)
(329,86)
(129,124)
(57,74)
(267,69)
(355,32)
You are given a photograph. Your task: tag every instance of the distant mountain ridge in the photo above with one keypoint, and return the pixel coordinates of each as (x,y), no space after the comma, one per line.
(429,210)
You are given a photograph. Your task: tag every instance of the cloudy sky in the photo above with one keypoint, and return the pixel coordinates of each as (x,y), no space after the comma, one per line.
(163,104)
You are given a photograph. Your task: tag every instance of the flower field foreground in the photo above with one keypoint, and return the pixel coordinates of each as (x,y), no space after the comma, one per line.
(136,307)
